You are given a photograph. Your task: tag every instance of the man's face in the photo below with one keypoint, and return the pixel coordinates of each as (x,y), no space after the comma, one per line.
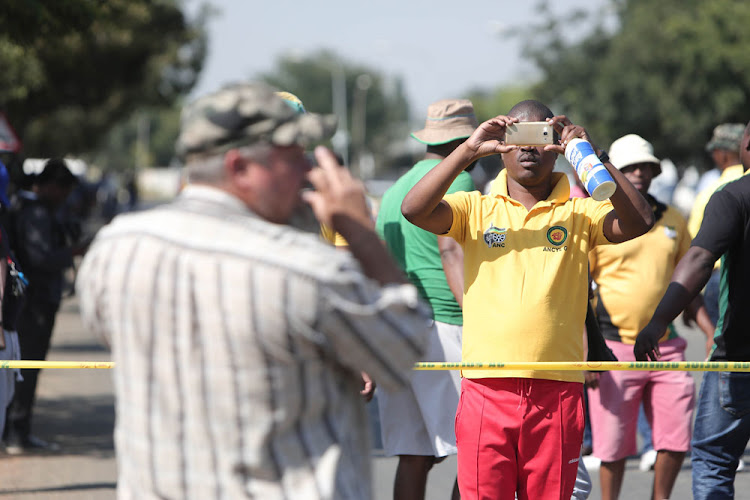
(278,182)
(640,175)
(530,166)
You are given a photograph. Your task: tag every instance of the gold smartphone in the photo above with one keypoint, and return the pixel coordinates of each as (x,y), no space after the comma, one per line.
(530,134)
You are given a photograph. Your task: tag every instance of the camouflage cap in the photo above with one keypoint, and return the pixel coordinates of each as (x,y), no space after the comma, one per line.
(245,114)
(727,136)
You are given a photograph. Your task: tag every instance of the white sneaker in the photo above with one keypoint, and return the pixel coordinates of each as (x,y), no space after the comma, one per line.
(648,459)
(740,465)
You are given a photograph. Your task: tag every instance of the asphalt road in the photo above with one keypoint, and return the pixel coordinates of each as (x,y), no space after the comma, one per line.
(75,408)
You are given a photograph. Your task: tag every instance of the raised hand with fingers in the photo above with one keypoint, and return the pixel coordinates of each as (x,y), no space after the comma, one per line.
(647,343)
(338,197)
(488,138)
(567,131)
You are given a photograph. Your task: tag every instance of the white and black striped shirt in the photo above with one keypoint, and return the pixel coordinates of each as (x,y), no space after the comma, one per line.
(238,345)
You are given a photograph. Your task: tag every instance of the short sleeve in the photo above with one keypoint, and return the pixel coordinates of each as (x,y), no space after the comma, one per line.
(597,212)
(722,224)
(460,204)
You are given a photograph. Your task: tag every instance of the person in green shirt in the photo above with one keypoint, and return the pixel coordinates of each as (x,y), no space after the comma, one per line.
(417,423)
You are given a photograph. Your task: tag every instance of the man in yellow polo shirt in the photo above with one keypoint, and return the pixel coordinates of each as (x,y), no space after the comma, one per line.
(631,278)
(525,294)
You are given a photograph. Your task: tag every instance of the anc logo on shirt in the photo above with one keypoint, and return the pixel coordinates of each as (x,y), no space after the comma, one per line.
(495,236)
(557,235)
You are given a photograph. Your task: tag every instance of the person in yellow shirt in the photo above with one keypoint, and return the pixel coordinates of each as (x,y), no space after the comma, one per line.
(630,279)
(724,148)
(525,294)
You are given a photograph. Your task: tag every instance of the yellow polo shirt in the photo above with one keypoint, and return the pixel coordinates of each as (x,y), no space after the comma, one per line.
(701,200)
(525,276)
(632,277)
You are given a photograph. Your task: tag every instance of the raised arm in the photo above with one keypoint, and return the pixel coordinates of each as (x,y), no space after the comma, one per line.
(423,206)
(339,202)
(632,216)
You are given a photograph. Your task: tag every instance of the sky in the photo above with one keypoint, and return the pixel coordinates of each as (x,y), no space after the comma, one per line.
(440,49)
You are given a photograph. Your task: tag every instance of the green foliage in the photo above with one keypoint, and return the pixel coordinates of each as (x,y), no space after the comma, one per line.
(386,111)
(670,72)
(73,68)
(145,139)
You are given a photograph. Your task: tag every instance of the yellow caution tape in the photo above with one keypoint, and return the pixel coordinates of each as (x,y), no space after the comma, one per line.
(692,366)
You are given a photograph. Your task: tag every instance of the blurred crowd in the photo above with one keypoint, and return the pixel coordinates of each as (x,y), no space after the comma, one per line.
(50,213)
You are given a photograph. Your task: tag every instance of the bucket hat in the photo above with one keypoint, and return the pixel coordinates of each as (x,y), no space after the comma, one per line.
(447,121)
(632,149)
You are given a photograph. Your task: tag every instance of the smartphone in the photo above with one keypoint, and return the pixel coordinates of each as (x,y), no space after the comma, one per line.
(530,134)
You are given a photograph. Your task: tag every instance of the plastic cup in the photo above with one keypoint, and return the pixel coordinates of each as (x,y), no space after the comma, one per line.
(593,174)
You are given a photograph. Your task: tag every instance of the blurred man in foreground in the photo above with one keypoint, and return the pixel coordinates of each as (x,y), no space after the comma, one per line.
(239,340)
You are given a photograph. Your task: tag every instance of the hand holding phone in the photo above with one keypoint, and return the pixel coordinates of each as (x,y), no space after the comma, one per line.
(530,134)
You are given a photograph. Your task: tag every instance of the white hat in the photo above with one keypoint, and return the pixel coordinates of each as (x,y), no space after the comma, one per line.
(632,149)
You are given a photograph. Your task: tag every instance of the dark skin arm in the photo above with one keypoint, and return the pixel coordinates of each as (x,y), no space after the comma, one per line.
(452,258)
(423,206)
(689,278)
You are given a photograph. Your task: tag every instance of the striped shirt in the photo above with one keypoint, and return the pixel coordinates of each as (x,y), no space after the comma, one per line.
(238,346)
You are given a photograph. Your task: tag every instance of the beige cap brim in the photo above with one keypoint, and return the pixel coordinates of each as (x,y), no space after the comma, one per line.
(435,137)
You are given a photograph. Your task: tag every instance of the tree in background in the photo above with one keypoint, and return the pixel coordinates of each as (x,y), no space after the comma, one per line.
(376,109)
(144,139)
(73,68)
(670,71)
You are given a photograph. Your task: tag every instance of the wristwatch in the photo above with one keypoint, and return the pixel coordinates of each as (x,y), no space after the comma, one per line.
(603,156)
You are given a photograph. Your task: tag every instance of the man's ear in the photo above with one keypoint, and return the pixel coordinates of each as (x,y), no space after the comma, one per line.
(234,163)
